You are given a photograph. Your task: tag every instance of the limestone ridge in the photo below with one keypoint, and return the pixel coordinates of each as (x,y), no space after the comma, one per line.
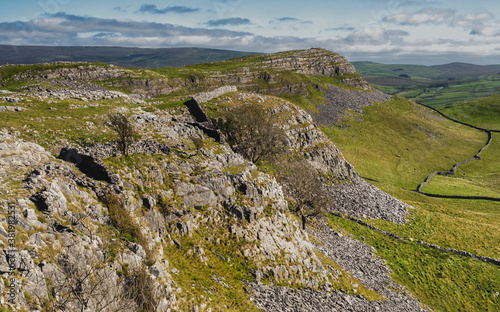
(315,62)
(350,193)
(249,76)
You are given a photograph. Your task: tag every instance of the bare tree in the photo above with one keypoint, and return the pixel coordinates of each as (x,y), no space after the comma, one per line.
(84,286)
(125,131)
(252,131)
(304,188)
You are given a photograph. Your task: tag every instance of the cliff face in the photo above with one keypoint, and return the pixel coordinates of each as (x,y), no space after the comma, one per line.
(310,62)
(179,226)
(264,74)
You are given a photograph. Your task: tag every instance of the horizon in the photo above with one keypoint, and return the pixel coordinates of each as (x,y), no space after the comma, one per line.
(250,52)
(384,31)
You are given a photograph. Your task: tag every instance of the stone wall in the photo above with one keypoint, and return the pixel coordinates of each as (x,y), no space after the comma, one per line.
(207,96)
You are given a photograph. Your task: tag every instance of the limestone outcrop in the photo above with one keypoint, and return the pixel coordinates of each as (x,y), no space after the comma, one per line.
(174,223)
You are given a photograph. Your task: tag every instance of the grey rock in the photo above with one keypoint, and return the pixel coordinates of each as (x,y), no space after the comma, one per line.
(209,95)
(30,214)
(148,201)
(4,265)
(155,221)
(19,260)
(194,193)
(35,283)
(340,101)
(36,240)
(3,232)
(137,249)
(364,200)
(51,200)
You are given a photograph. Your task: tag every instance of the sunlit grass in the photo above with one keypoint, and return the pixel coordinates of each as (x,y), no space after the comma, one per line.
(482,112)
(442,280)
(401,143)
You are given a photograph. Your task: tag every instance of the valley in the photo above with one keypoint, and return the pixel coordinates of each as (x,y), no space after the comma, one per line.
(188,212)
(434,86)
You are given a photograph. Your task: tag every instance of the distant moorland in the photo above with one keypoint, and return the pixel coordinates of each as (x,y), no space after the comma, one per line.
(434,86)
(124,57)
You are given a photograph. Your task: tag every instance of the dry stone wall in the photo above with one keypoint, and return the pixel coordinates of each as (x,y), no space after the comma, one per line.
(209,95)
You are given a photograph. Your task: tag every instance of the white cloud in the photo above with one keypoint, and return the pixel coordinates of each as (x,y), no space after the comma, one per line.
(436,16)
(373,41)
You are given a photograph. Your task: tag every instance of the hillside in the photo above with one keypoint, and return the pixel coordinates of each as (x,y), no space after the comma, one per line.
(119,56)
(188,218)
(482,112)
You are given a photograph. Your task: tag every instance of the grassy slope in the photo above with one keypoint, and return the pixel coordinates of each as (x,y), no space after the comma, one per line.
(388,130)
(482,112)
(426,143)
(55,123)
(423,140)
(477,178)
(443,281)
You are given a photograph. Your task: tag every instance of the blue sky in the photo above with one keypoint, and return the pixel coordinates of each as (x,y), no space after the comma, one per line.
(389,31)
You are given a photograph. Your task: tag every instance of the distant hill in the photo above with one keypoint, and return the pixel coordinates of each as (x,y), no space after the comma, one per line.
(451,70)
(124,57)
(435,86)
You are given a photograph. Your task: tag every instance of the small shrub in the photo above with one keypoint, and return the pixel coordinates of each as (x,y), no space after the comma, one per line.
(303,186)
(120,217)
(164,205)
(141,290)
(125,131)
(198,143)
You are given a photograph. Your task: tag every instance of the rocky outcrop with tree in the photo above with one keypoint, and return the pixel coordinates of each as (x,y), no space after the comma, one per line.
(180,219)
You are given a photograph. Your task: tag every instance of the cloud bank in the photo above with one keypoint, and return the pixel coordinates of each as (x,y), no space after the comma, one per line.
(153,9)
(235,21)
(387,41)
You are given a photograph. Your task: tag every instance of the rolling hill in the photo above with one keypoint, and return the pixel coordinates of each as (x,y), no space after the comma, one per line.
(124,57)
(434,86)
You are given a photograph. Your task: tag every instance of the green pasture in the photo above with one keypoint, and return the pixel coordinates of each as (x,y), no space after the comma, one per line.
(482,112)
(440,279)
(400,143)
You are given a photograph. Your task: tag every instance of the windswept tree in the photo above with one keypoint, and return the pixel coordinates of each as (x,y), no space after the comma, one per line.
(198,144)
(252,131)
(125,131)
(76,282)
(302,185)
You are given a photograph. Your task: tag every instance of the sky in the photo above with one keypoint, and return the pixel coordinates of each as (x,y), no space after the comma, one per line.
(426,32)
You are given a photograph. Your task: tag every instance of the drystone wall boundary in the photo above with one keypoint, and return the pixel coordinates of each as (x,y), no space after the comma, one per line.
(456,251)
(207,96)
(458,121)
(453,170)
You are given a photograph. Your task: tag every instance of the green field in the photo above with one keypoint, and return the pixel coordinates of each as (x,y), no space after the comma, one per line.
(481,112)
(443,281)
(401,143)
(477,178)
(435,86)
(398,144)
